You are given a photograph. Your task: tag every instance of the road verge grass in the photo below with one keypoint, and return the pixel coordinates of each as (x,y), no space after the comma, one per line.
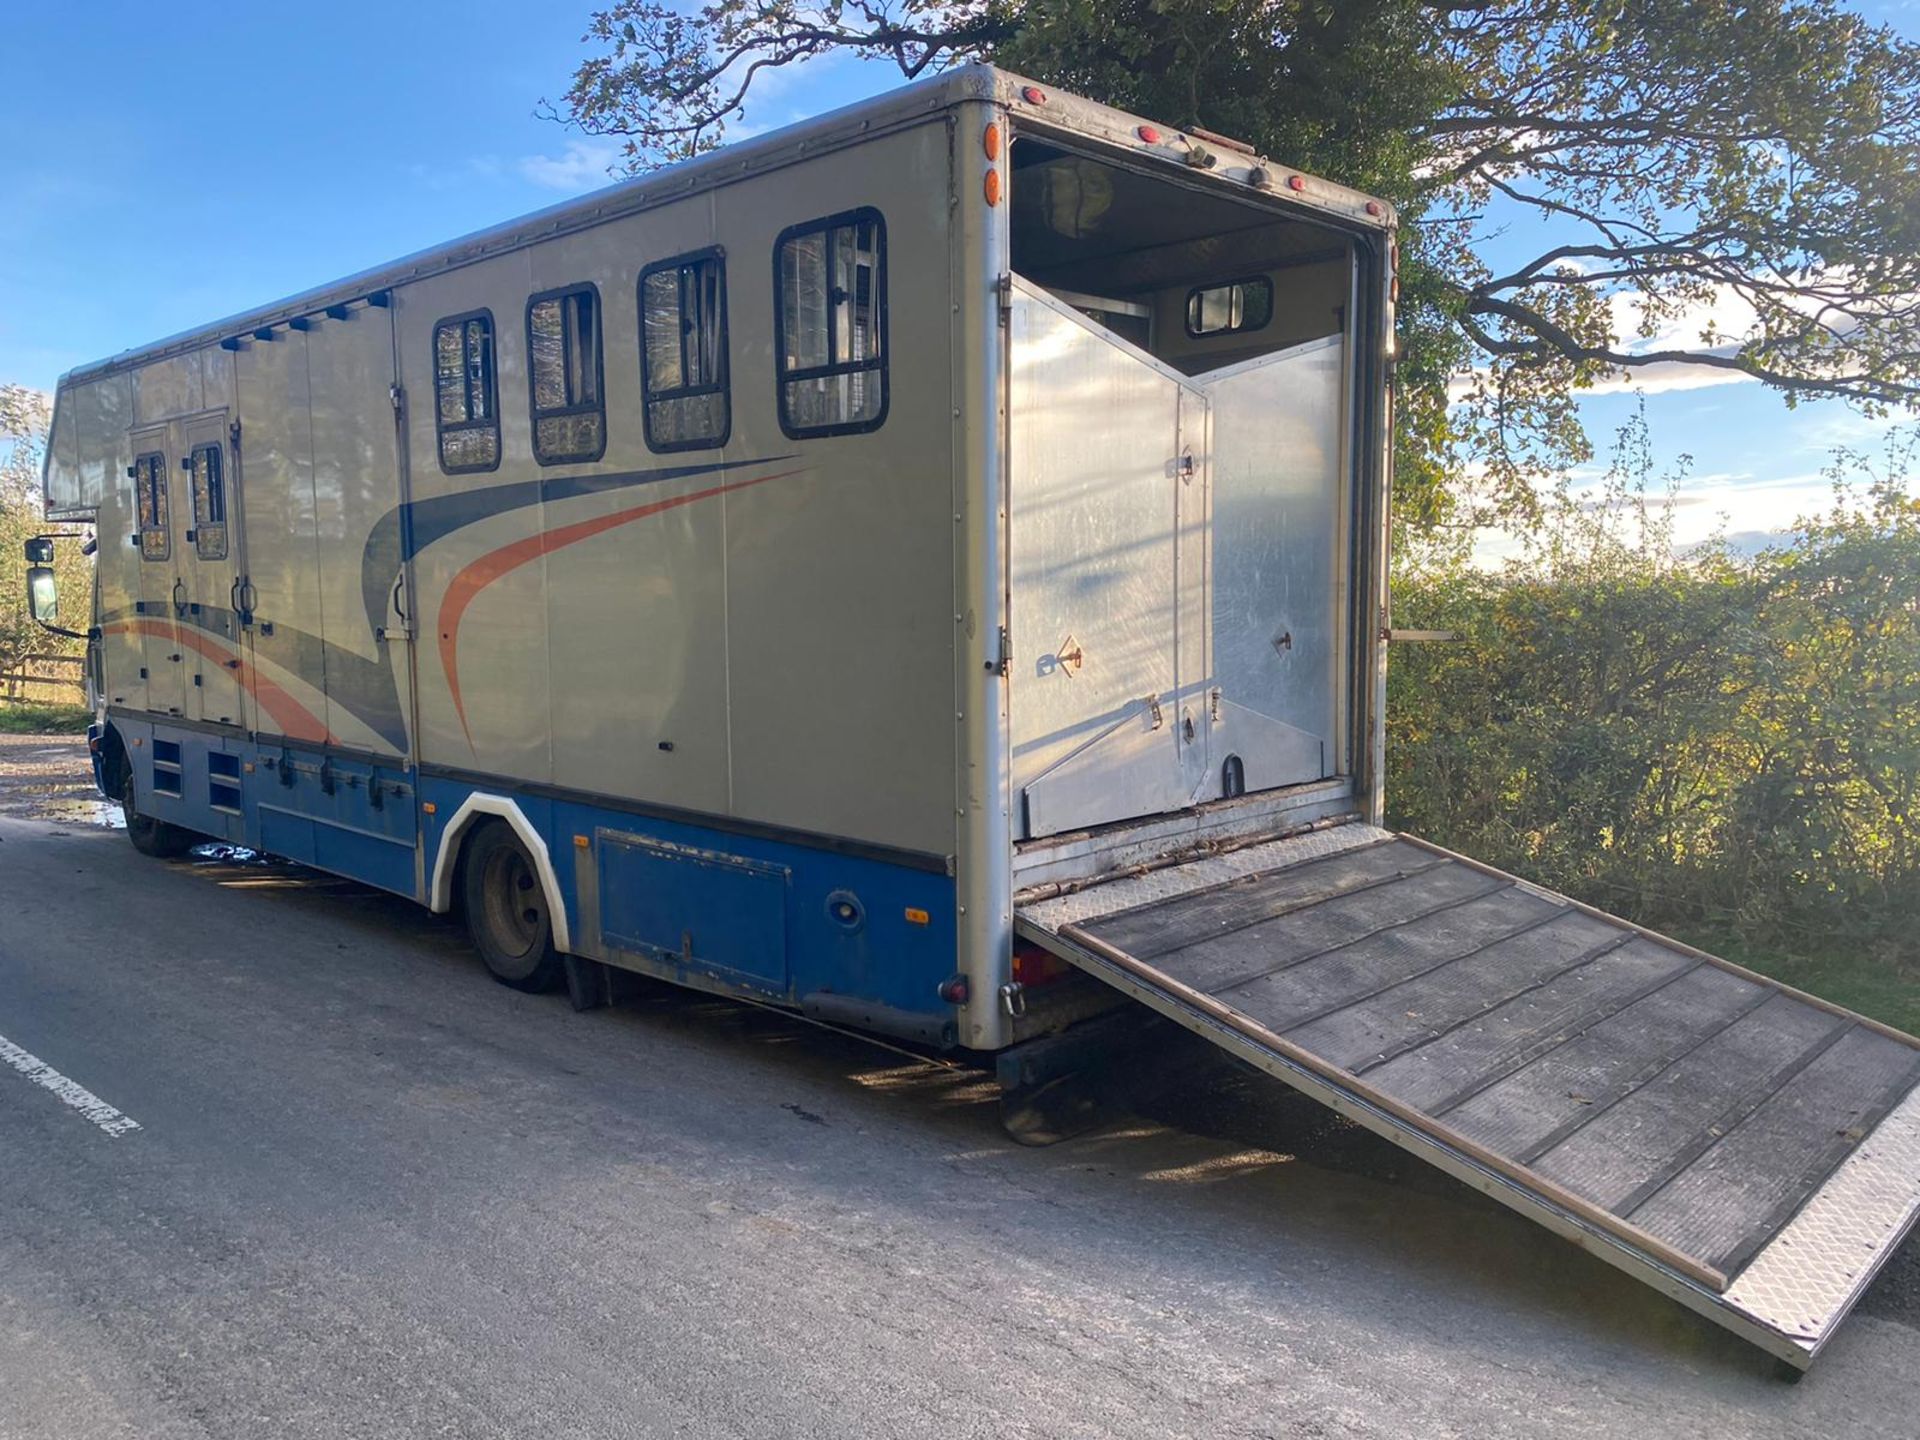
(32,717)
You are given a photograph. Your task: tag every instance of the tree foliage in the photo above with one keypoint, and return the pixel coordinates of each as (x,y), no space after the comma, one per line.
(1724,183)
(1726,746)
(23,435)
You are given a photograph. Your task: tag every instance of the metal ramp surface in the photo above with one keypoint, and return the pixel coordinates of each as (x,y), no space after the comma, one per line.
(1751,1151)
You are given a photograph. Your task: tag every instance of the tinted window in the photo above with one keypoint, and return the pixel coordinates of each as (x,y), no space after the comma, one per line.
(208,469)
(831,309)
(150,497)
(1231,308)
(466,400)
(683,352)
(563,369)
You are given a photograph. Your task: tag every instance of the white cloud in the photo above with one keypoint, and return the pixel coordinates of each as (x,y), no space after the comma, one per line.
(584,165)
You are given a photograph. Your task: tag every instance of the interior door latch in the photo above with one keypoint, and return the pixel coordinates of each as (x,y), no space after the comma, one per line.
(1069,656)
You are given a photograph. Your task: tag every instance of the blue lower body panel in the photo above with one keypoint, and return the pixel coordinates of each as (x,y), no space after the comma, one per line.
(761,915)
(350,815)
(735,913)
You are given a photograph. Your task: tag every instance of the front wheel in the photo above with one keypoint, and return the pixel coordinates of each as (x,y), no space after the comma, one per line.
(506,911)
(150,836)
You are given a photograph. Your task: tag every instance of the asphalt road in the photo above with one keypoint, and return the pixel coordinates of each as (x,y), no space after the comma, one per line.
(373,1193)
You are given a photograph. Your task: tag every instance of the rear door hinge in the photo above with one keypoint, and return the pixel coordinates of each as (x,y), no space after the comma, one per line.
(1004,288)
(1003,659)
(398,396)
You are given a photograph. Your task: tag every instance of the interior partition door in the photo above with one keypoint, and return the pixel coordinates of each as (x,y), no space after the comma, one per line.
(1107,600)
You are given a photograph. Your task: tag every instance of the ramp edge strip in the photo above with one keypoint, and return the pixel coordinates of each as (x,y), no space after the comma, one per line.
(1808,1277)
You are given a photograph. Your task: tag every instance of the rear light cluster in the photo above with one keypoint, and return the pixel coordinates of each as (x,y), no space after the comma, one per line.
(1034,966)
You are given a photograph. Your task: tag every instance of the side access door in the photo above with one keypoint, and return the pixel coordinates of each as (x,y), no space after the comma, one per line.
(161,595)
(210,569)
(1107,541)
(323,594)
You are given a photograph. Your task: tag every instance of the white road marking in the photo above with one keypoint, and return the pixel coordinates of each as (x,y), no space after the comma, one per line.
(71,1091)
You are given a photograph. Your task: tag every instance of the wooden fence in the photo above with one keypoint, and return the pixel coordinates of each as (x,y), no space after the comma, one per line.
(50,679)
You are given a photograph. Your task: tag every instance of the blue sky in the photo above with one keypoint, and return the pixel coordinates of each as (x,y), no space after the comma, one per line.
(167,165)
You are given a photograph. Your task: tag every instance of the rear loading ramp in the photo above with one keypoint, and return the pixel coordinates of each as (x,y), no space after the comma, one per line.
(1748,1150)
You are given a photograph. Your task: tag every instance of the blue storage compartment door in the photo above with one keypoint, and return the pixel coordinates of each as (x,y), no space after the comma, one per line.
(698,909)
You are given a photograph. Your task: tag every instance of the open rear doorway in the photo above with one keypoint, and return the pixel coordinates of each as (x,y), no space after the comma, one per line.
(1180,494)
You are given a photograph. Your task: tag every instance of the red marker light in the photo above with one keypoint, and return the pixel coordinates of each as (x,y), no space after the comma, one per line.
(1374,207)
(1150,135)
(1033,95)
(1296,182)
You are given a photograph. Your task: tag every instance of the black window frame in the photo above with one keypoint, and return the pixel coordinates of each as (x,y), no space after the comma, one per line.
(216,490)
(1186,310)
(441,427)
(723,387)
(154,475)
(783,376)
(535,413)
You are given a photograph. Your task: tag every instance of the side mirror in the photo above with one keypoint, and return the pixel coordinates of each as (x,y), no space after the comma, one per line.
(40,550)
(42,595)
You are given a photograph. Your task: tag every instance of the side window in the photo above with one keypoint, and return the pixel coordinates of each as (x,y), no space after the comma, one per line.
(563,370)
(208,469)
(683,352)
(466,401)
(1228,309)
(830,287)
(150,497)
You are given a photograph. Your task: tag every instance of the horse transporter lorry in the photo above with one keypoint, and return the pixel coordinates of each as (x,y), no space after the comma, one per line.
(926,568)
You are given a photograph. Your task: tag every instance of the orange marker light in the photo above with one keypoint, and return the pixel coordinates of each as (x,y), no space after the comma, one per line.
(990,141)
(993,187)
(917,916)
(427,807)
(580,842)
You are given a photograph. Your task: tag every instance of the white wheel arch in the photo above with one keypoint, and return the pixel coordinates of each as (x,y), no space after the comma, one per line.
(471,811)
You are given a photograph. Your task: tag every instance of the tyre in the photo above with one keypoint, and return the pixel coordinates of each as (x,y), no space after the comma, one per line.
(149,836)
(506,910)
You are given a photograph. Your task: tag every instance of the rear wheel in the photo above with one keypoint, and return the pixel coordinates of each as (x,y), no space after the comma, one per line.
(506,910)
(149,835)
